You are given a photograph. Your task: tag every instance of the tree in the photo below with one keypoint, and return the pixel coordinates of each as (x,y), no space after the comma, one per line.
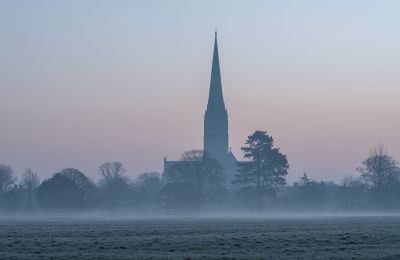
(380,169)
(114,185)
(179,196)
(202,171)
(353,192)
(265,172)
(60,192)
(7,178)
(29,184)
(111,171)
(79,178)
(30,180)
(380,172)
(150,182)
(67,189)
(304,180)
(309,194)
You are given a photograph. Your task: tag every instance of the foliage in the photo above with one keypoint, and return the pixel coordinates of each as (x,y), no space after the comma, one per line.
(264,173)
(197,181)
(30,180)
(112,172)
(199,169)
(7,178)
(115,189)
(150,182)
(29,183)
(60,192)
(380,172)
(379,169)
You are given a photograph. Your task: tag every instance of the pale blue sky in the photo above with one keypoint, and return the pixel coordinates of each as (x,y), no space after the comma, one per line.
(83,82)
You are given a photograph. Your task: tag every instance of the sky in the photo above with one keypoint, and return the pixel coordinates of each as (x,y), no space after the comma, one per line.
(85,82)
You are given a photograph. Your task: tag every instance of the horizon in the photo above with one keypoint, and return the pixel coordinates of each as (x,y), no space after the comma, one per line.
(85,83)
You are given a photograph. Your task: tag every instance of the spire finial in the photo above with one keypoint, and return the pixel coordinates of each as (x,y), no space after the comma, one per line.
(216,32)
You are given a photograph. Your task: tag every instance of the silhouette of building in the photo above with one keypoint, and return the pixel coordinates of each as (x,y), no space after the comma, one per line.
(216,136)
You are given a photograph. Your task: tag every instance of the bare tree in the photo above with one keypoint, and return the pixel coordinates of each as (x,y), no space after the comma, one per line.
(202,171)
(348,184)
(30,180)
(149,182)
(115,190)
(29,183)
(379,169)
(111,171)
(7,178)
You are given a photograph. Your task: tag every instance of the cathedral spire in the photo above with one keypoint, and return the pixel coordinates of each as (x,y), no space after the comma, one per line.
(215,98)
(216,116)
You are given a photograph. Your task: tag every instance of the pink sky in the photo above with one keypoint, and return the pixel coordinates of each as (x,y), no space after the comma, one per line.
(85,83)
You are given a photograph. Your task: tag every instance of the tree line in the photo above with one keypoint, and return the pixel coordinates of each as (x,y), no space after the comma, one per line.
(199,181)
(71,189)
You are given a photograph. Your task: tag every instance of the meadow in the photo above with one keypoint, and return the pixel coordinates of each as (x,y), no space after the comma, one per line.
(203,238)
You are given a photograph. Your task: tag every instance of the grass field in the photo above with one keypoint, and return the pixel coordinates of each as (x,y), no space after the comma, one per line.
(270,238)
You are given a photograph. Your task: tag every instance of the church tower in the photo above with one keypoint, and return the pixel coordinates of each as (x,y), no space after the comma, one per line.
(215,127)
(216,116)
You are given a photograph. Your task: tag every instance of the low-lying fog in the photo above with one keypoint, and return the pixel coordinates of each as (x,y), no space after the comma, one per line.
(127,215)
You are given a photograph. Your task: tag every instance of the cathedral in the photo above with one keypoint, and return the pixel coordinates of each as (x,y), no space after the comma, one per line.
(216,136)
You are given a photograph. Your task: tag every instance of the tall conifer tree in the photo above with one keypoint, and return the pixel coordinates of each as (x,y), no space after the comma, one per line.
(264,172)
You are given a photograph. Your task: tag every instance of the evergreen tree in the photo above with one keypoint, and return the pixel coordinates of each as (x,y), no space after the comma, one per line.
(264,173)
